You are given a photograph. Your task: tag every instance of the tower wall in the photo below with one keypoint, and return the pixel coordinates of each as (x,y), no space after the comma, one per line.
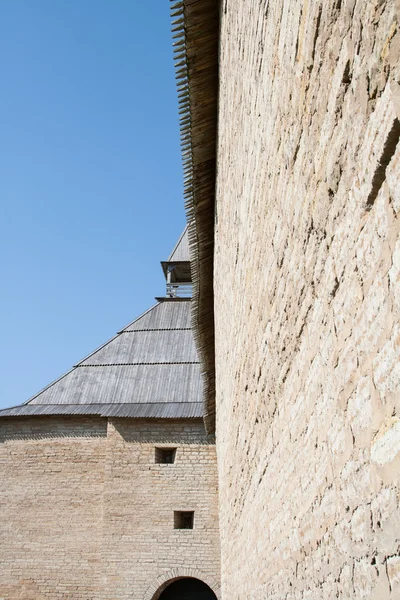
(87,514)
(307,288)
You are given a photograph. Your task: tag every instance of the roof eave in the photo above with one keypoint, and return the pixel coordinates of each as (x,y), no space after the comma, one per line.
(196,34)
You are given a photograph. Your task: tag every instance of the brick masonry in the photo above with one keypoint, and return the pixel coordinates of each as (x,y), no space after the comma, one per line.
(307,299)
(87,514)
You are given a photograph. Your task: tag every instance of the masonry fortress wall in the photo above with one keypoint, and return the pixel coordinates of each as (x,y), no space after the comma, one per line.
(86,514)
(307,299)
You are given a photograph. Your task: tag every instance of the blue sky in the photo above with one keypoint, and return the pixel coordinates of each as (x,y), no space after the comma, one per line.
(90,178)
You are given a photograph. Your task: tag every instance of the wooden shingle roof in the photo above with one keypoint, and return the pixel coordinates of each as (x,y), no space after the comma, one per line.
(195,29)
(181,250)
(150,369)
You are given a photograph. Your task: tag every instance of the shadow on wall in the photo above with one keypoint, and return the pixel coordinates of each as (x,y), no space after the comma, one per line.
(51,427)
(161,431)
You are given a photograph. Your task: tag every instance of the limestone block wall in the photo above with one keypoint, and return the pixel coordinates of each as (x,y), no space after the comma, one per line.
(87,514)
(141,547)
(307,299)
(51,504)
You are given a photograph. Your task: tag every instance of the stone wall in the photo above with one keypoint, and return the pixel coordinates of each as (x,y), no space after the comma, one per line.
(140,542)
(51,500)
(307,299)
(87,514)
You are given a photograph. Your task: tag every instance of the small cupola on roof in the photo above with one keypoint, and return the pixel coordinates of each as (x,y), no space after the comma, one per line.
(177,269)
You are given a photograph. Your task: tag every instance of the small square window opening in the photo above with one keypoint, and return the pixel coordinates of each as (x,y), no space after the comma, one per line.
(183,520)
(165,456)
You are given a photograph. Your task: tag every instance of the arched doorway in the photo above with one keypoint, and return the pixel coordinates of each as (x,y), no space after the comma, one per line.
(187,588)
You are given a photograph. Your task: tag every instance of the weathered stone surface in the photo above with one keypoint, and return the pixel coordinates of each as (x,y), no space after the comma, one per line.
(393,568)
(307,309)
(386,444)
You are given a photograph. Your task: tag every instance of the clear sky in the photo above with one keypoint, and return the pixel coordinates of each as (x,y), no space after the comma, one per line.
(90,178)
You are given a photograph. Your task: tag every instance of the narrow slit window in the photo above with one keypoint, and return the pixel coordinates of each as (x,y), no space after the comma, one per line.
(183,519)
(165,456)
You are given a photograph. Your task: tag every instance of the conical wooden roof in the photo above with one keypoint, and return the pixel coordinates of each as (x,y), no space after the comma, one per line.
(180,253)
(150,369)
